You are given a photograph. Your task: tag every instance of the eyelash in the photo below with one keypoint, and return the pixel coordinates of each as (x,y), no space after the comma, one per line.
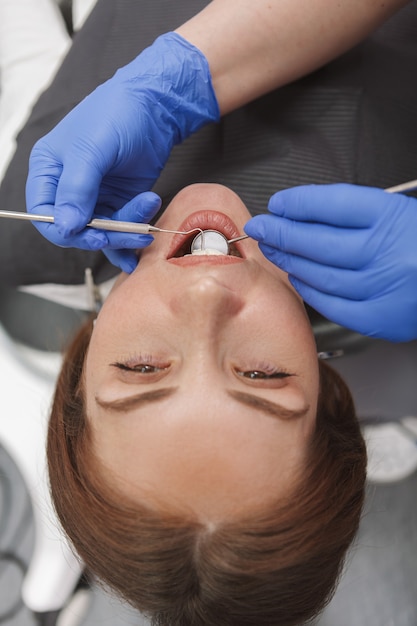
(263,371)
(136,363)
(146,363)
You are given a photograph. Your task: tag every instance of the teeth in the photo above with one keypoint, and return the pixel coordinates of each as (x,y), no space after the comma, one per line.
(208,252)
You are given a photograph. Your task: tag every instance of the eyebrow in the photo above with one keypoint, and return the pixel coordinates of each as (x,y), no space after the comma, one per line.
(266,406)
(124,405)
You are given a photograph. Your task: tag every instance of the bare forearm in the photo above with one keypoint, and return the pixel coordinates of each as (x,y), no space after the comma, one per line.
(254,46)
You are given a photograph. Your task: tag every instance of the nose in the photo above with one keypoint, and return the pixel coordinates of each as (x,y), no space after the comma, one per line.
(207,304)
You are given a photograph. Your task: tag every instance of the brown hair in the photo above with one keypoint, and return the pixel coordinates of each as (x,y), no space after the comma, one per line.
(279,567)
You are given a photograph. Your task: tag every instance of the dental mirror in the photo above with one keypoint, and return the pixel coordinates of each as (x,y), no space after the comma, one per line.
(212,242)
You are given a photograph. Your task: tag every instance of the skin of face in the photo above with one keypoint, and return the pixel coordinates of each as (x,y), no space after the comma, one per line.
(187,362)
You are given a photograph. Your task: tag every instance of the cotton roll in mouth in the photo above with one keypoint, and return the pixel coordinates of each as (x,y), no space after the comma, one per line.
(210,242)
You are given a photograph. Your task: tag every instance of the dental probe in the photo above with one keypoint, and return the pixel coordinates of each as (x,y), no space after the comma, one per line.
(222,244)
(143,229)
(409,186)
(238,238)
(214,241)
(102,224)
(112,225)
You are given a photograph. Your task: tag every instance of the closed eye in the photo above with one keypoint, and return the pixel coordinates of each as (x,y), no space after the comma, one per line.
(260,375)
(142,368)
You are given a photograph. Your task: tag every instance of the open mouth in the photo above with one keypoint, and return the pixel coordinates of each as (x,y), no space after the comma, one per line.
(185,249)
(206,221)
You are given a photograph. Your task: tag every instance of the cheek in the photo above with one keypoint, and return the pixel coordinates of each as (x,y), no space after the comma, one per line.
(126,308)
(281,325)
(283,316)
(287,307)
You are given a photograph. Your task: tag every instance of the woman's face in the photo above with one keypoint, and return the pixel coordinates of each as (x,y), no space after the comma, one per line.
(202,375)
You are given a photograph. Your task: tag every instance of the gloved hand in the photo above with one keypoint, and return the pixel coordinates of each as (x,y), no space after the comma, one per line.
(351,253)
(114,144)
(120,248)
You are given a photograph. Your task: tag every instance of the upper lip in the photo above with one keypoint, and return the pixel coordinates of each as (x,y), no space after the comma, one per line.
(204,220)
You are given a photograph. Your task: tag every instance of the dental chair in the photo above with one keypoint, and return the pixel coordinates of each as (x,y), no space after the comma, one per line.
(33,332)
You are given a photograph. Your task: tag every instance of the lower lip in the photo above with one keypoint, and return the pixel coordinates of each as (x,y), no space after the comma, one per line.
(190,260)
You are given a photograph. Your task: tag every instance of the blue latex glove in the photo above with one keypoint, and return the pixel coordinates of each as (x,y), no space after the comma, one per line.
(114,144)
(351,253)
(121,247)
